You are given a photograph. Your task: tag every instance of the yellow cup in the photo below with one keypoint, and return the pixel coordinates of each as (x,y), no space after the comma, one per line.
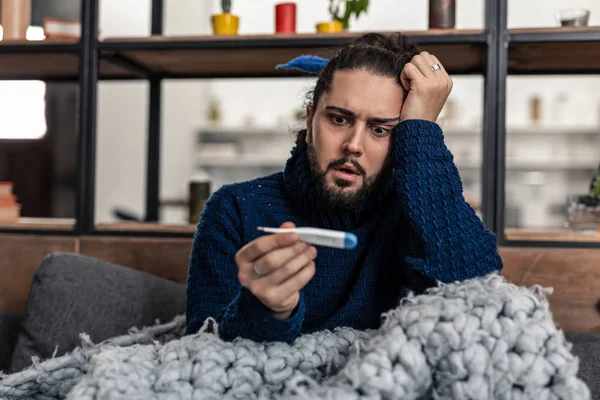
(330,27)
(225,24)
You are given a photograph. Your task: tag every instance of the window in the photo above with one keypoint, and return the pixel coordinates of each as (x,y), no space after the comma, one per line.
(22,103)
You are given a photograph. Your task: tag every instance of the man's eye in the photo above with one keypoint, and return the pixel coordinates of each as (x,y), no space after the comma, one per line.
(337,119)
(379,131)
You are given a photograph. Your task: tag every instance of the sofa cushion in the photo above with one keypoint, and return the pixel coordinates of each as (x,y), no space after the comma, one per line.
(73,294)
(10,324)
(586,346)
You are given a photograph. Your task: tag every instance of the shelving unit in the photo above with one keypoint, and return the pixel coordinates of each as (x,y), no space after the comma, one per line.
(531,51)
(569,50)
(494,52)
(257,55)
(43,60)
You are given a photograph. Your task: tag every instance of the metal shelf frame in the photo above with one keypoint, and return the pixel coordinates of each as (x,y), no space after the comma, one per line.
(496,41)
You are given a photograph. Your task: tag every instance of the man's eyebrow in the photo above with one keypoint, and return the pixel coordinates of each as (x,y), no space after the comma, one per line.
(341,110)
(384,120)
(349,113)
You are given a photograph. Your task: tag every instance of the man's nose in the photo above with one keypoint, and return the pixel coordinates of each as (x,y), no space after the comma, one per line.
(354,142)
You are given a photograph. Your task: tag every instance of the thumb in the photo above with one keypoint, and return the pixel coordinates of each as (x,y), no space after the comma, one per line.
(287,225)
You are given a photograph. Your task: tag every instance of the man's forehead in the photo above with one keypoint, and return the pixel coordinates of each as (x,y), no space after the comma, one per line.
(364,93)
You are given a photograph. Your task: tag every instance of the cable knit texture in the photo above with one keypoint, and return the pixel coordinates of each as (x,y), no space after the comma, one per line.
(482,338)
(416,231)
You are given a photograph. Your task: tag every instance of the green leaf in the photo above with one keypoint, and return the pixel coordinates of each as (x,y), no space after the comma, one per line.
(226,6)
(360,6)
(334,10)
(356,7)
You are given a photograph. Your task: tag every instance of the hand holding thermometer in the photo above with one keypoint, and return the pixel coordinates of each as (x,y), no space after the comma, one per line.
(319,237)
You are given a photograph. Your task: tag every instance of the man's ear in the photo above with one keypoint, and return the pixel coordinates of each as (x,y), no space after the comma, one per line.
(309,120)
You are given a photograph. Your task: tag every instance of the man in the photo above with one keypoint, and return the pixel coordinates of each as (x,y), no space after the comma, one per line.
(372,161)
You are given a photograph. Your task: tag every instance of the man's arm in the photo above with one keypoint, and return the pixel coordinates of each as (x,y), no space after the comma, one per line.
(213,288)
(447,240)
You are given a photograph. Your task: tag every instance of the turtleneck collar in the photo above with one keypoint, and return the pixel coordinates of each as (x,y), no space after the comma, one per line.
(302,191)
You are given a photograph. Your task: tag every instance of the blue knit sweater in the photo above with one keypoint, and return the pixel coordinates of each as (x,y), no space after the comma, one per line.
(416,231)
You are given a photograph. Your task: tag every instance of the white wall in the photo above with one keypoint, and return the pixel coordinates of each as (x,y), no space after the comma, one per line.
(183,107)
(541,13)
(121,124)
(123,114)
(582,92)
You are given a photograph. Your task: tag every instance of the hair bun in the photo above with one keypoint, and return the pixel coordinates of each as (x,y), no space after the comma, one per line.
(395,42)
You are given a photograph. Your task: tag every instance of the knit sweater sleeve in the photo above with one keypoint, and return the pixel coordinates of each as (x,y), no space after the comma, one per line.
(213,289)
(446,240)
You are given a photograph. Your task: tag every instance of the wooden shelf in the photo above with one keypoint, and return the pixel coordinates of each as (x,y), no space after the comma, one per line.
(145,227)
(538,50)
(461,51)
(554,50)
(50,60)
(557,235)
(555,34)
(55,224)
(541,131)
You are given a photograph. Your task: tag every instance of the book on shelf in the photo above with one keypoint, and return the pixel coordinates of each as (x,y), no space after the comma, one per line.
(8,200)
(10,209)
(55,28)
(6,188)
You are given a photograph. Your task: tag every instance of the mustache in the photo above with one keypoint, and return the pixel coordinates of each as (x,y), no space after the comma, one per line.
(346,160)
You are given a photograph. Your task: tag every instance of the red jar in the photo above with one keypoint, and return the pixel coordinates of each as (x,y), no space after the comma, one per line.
(285,18)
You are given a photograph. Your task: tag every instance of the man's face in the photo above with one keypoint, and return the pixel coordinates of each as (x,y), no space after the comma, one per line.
(349,136)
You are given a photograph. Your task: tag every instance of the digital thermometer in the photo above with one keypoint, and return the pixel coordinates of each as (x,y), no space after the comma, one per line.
(319,236)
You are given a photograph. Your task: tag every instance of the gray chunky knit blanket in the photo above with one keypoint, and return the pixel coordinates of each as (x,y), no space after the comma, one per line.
(483,338)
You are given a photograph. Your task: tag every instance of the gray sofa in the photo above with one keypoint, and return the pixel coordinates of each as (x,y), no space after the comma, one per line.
(71,294)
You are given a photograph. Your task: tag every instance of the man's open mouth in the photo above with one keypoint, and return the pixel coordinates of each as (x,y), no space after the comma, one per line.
(348,169)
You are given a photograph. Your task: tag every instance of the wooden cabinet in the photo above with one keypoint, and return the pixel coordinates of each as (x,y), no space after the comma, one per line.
(573,273)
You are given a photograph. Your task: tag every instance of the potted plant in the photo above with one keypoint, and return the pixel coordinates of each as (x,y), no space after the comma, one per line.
(225,23)
(341,21)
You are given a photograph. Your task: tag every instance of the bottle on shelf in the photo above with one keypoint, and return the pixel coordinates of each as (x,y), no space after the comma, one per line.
(594,190)
(214,111)
(535,110)
(442,14)
(199,187)
(16,18)
(10,209)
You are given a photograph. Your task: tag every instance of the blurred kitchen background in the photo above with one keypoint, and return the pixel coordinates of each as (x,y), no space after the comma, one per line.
(233,130)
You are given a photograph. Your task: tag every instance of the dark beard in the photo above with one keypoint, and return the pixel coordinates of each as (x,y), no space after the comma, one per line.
(335,197)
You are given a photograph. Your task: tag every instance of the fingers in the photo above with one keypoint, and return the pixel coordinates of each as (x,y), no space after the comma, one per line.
(434,60)
(275,296)
(409,73)
(297,281)
(292,267)
(423,62)
(276,259)
(443,71)
(265,244)
(420,67)
(285,265)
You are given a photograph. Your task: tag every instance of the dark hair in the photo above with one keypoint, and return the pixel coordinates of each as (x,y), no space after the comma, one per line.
(381,55)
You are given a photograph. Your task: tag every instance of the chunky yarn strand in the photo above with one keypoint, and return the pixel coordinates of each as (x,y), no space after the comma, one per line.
(482,338)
